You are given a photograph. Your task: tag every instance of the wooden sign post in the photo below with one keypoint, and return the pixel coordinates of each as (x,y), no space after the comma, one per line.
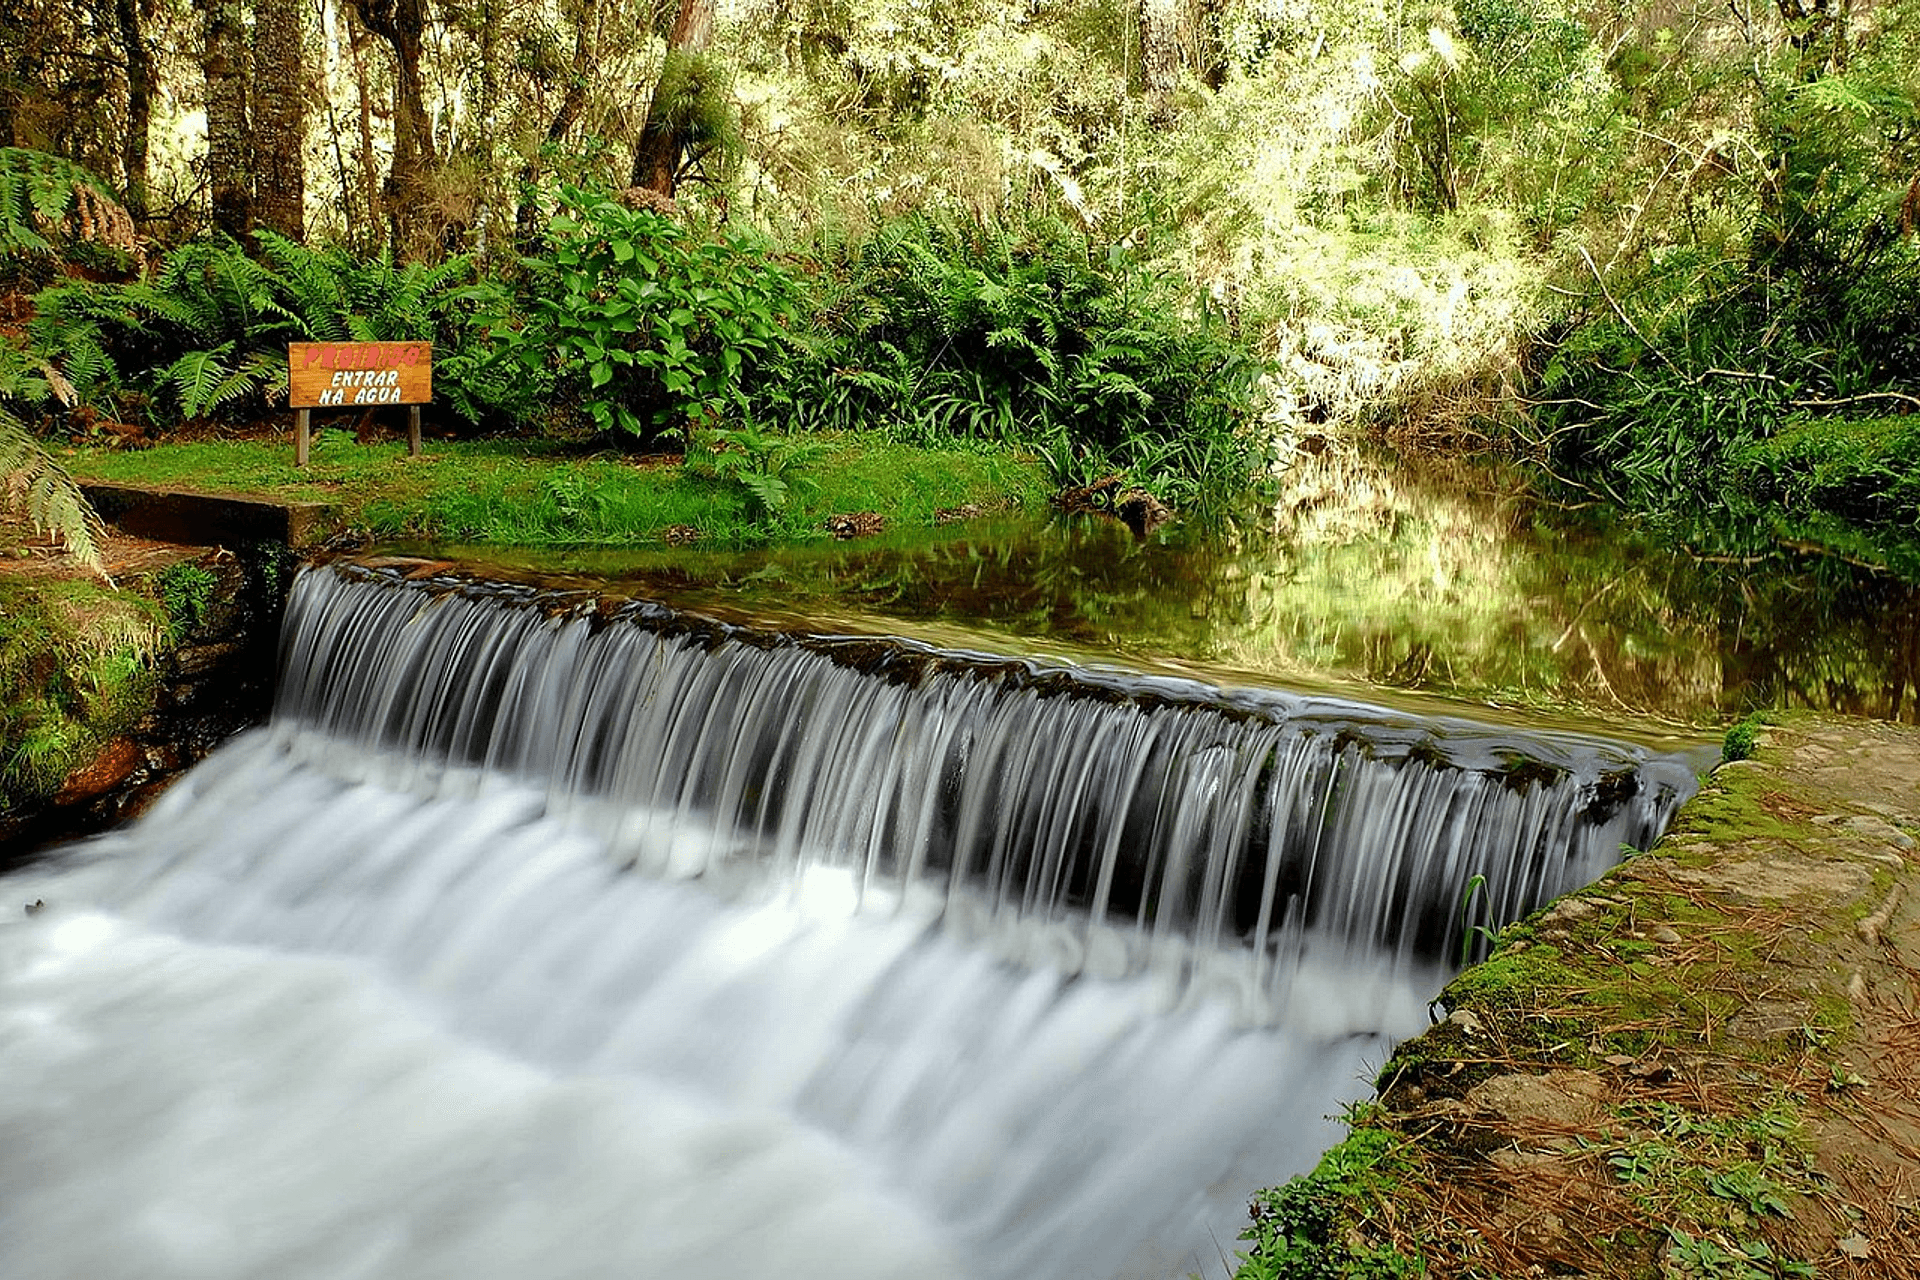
(350,375)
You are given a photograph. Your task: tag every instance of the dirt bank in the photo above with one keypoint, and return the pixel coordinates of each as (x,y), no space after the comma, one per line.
(1708,1064)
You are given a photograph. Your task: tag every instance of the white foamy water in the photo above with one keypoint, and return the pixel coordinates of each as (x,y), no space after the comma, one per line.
(297,1026)
(537,941)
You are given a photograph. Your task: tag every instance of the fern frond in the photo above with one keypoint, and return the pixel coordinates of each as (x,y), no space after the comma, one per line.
(265,371)
(31,481)
(196,377)
(45,199)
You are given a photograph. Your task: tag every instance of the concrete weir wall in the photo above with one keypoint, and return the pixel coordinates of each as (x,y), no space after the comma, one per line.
(201,519)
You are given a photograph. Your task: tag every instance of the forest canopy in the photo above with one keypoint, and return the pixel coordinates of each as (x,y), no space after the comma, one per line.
(1668,250)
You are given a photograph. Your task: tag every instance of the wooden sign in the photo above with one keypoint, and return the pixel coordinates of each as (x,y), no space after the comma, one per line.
(357,375)
(347,375)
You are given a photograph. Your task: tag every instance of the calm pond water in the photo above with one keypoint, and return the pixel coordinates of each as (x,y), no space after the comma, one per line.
(1432,588)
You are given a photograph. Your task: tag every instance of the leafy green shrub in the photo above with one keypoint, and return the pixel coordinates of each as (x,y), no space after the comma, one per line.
(654,330)
(950,328)
(1742,738)
(1729,385)
(186,593)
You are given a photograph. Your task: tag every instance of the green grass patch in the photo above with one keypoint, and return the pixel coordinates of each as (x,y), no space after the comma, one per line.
(1862,469)
(539,493)
(1303,1229)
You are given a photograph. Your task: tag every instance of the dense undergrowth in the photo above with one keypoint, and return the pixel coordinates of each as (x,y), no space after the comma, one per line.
(76,670)
(1758,364)
(632,329)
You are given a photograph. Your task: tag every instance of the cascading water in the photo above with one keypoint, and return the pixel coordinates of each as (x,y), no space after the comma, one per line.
(541,938)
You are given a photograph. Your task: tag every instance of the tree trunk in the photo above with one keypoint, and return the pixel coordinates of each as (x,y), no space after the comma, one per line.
(1160,46)
(280,116)
(224,64)
(357,38)
(139,59)
(22,39)
(409,193)
(656,161)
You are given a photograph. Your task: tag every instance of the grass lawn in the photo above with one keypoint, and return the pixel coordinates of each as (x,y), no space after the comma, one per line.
(532,492)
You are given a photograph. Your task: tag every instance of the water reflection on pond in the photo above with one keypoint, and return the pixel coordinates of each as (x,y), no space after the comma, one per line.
(1366,578)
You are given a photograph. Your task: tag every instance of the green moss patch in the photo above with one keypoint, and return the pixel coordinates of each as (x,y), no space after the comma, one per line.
(75,672)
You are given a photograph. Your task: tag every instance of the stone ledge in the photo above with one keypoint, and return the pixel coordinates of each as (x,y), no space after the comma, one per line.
(211,519)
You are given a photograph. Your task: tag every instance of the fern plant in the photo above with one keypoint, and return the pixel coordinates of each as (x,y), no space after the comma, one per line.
(32,482)
(207,334)
(766,470)
(1030,335)
(49,204)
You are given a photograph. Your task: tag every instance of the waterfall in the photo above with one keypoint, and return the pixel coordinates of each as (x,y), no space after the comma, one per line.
(544,935)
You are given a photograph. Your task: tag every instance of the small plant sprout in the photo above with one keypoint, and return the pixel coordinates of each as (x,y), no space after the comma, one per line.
(1469,933)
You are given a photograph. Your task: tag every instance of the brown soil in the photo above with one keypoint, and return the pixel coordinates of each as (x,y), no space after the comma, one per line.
(24,555)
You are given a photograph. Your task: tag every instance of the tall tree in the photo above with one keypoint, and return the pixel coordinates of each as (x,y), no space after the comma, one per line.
(130,18)
(572,100)
(229,165)
(409,190)
(279,116)
(664,136)
(1160,46)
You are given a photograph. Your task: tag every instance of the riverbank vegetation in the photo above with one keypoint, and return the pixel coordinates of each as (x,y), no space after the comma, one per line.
(1668,254)
(741,490)
(1696,1067)
(79,668)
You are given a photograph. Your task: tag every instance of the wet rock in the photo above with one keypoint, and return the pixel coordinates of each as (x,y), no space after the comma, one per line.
(162,757)
(1141,511)
(1770,1020)
(859,524)
(112,766)
(199,659)
(131,804)
(1879,829)
(1738,766)
(1569,911)
(1560,1099)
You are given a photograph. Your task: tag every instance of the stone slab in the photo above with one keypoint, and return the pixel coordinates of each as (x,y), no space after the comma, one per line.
(211,519)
